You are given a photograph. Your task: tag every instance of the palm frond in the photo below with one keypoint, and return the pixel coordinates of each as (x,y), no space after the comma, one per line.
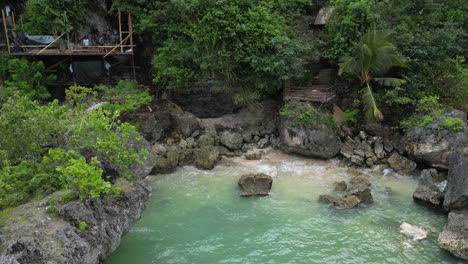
(373,113)
(389,81)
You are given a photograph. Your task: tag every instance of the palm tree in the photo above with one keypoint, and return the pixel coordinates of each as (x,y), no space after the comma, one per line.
(373,56)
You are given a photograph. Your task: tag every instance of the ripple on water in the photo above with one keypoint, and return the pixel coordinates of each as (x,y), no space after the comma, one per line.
(198,217)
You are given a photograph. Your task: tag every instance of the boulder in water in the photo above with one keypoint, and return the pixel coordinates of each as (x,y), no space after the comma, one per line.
(347,202)
(431,187)
(432,144)
(360,180)
(401,164)
(328,199)
(255,184)
(454,238)
(456,194)
(413,232)
(206,157)
(231,140)
(340,186)
(315,139)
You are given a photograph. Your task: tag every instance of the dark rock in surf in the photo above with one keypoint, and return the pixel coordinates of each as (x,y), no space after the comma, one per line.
(255,184)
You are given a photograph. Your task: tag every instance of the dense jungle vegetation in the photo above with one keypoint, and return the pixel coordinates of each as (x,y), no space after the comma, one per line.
(405,58)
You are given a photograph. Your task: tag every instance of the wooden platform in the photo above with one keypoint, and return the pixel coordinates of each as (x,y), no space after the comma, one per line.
(315,93)
(321,89)
(81,52)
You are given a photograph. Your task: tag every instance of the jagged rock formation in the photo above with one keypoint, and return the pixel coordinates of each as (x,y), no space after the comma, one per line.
(31,235)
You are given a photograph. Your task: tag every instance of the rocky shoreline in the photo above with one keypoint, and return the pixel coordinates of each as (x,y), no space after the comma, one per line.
(177,138)
(32,235)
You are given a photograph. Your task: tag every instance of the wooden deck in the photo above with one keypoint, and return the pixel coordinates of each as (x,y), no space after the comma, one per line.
(72,53)
(315,93)
(320,90)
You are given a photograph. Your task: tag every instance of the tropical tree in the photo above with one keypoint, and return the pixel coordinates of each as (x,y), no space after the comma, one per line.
(372,57)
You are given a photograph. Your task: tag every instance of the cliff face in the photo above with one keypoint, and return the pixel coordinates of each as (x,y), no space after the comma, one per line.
(31,235)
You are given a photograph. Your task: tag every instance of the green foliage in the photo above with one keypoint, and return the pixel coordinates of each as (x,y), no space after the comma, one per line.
(52,209)
(82,226)
(24,78)
(373,56)
(350,116)
(306,115)
(125,96)
(351,20)
(26,128)
(53,16)
(84,178)
(247,45)
(453,124)
(427,110)
(40,145)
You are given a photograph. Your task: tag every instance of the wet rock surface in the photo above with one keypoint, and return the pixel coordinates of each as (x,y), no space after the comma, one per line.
(314,141)
(31,235)
(401,164)
(454,238)
(255,184)
(431,188)
(456,194)
(356,192)
(432,144)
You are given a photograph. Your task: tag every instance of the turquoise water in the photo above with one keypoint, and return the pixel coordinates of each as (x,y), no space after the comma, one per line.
(198,217)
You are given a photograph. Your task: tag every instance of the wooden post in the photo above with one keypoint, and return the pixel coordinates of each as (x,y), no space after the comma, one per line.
(68,41)
(13,21)
(130,31)
(120,30)
(5,28)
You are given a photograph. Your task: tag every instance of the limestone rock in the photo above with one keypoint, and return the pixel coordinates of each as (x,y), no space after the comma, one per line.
(263,143)
(316,141)
(206,140)
(340,186)
(328,199)
(432,144)
(454,238)
(254,154)
(413,232)
(31,235)
(431,187)
(154,126)
(360,180)
(347,202)
(401,164)
(255,184)
(206,157)
(379,149)
(456,194)
(231,140)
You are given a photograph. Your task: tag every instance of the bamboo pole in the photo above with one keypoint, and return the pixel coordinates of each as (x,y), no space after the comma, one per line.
(50,44)
(120,30)
(13,20)
(120,44)
(5,28)
(130,30)
(68,41)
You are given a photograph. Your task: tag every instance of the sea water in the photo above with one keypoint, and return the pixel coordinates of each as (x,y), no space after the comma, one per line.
(197,216)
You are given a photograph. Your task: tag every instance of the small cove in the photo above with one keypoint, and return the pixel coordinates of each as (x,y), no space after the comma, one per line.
(196,216)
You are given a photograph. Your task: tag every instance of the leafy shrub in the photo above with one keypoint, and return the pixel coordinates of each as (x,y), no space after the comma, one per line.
(351,20)
(24,78)
(454,124)
(428,108)
(82,226)
(40,146)
(84,178)
(26,128)
(247,45)
(306,115)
